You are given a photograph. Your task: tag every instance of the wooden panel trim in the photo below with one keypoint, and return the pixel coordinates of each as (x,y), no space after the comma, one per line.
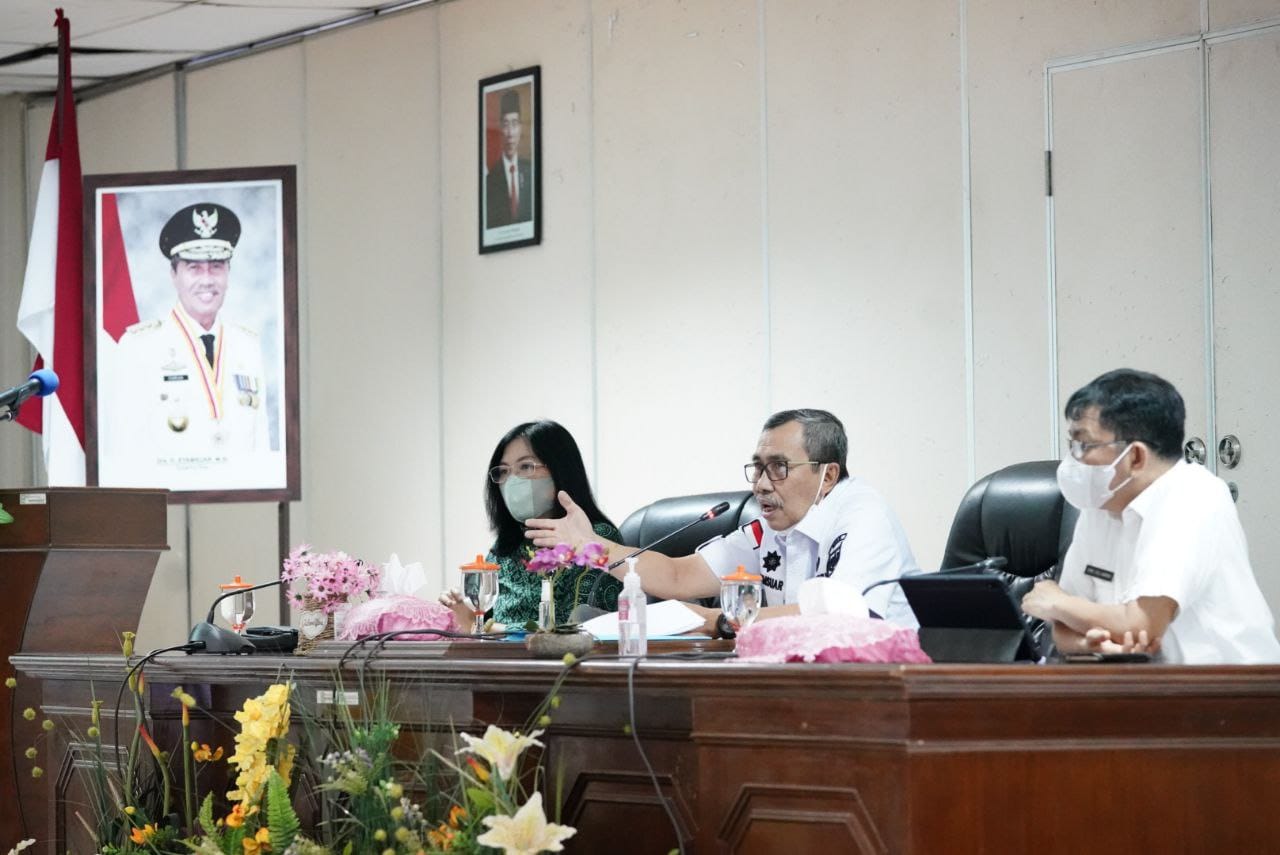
(777,803)
(637,789)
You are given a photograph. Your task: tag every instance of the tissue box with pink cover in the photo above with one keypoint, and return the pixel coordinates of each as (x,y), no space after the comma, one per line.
(829,638)
(397,612)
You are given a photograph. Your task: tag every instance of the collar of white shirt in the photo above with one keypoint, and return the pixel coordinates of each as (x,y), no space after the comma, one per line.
(816,524)
(1143,503)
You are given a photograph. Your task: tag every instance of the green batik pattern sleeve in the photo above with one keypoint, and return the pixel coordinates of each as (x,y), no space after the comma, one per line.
(519,592)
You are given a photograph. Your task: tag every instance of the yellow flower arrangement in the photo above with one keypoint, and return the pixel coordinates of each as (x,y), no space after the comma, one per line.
(364,781)
(264,724)
(259,842)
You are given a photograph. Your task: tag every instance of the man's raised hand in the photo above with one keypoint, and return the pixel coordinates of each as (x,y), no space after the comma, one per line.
(573,528)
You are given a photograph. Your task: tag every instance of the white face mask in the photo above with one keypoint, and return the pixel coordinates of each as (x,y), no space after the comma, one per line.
(1088,486)
(528,498)
(817,497)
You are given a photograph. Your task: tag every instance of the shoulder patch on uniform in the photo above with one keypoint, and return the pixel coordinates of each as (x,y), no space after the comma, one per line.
(833,554)
(143,326)
(755,531)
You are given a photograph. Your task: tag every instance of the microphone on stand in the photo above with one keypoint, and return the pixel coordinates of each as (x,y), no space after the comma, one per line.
(996,562)
(586,611)
(40,383)
(215,639)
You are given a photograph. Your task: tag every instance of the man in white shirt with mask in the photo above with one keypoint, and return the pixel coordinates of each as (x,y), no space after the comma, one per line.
(815,521)
(1158,561)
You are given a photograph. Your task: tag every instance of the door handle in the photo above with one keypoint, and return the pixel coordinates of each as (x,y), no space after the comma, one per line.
(1229,451)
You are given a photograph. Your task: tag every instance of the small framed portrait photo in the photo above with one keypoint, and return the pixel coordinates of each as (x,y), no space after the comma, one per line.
(511,160)
(192,333)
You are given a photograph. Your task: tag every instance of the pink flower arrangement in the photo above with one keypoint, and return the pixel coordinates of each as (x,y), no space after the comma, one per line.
(592,556)
(552,563)
(327,579)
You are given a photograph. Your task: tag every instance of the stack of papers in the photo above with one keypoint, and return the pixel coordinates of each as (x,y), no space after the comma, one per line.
(667,618)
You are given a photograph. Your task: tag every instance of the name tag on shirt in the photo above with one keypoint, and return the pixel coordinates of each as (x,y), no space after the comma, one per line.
(1099,573)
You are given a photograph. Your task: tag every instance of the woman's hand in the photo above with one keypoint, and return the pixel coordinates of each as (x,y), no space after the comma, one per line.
(462,613)
(573,528)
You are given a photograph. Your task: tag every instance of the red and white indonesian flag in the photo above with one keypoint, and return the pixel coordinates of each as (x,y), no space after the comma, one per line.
(51,313)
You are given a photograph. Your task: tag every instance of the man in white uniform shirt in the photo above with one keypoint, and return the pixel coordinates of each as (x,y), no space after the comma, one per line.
(195,396)
(815,521)
(1158,561)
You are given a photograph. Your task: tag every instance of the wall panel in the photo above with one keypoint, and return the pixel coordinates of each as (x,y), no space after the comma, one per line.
(129,130)
(373,291)
(1235,13)
(517,337)
(18,450)
(681,332)
(865,249)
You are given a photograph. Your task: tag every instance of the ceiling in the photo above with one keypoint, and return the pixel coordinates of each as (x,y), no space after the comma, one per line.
(118,38)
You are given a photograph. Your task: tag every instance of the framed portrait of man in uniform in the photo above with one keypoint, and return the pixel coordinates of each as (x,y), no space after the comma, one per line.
(192,317)
(511,160)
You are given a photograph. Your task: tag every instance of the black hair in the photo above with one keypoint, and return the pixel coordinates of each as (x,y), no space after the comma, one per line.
(555,447)
(1135,405)
(824,438)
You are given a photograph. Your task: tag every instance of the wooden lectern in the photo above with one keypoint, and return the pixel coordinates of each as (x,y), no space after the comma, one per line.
(75,565)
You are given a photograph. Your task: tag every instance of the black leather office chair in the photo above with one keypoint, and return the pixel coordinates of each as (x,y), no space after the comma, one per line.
(666,515)
(1018,513)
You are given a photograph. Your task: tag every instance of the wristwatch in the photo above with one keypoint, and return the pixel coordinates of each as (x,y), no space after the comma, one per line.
(724,629)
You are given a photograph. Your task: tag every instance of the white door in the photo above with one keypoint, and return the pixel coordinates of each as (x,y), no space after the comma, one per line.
(1244,169)
(1127,222)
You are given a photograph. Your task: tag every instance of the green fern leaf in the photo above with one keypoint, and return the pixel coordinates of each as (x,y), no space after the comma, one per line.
(281,819)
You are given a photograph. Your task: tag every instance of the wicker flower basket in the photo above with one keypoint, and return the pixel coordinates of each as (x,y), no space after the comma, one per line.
(314,626)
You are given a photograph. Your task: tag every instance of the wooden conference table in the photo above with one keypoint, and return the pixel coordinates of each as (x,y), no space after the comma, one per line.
(806,758)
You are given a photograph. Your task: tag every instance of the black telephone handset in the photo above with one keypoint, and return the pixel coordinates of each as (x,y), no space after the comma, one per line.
(272,639)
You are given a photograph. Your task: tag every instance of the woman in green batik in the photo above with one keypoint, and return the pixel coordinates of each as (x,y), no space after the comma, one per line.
(528,467)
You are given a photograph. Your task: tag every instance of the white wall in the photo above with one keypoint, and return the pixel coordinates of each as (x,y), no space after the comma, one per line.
(748,206)
(15,451)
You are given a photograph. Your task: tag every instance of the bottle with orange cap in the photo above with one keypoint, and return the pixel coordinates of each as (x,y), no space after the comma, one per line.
(740,597)
(237,609)
(479,589)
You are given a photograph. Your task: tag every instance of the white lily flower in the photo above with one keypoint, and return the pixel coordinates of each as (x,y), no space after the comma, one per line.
(526,833)
(500,748)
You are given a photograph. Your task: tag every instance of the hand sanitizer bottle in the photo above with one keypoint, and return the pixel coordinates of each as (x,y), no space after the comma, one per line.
(632,638)
(546,608)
